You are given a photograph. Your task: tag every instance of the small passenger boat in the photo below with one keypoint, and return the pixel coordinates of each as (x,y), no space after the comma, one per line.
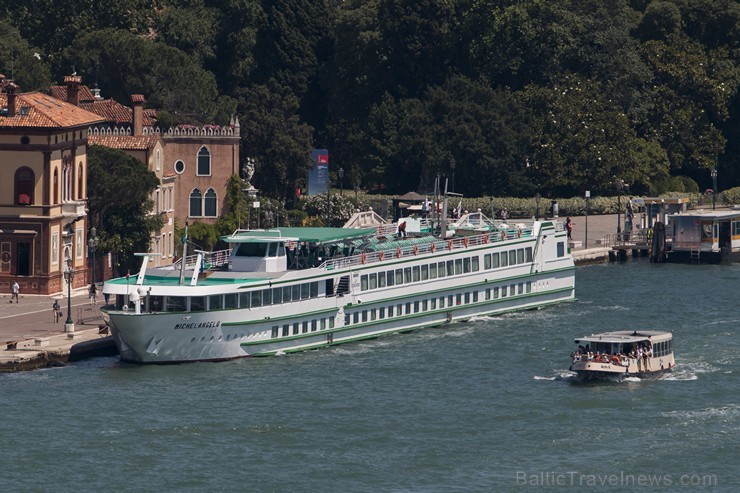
(624,353)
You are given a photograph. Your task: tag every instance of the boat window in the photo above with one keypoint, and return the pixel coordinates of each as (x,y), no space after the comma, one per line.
(520,256)
(266,297)
(244,299)
(475,296)
(256,300)
(467,298)
(407,275)
(197,303)
(286,330)
(305,291)
(476,264)
(356,317)
(458,266)
(467,264)
(381,312)
(416,307)
(408,308)
(390,311)
(156,303)
(272,249)
(424,272)
(314,325)
(488,293)
(416,274)
(277,296)
(304,327)
(504,259)
(494,261)
(433,303)
(331,322)
(441,269)
(450,267)
(528,253)
(432,271)
(512,257)
(281,250)
(424,305)
(503,291)
(512,290)
(346,319)
(495,293)
(363,283)
(441,301)
(373,314)
(322,324)
(521,288)
(529,286)
(231,300)
(364,315)
(296,328)
(399,276)
(314,289)
(561,249)
(373,284)
(296,292)
(458,299)
(274,331)
(381,279)
(215,302)
(487,261)
(399,309)
(390,278)
(251,249)
(175,303)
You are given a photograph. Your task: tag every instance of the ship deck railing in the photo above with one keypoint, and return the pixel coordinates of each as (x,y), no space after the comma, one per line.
(211,260)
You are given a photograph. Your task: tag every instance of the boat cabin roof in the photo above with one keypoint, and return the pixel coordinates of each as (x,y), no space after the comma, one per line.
(627,336)
(708,215)
(311,235)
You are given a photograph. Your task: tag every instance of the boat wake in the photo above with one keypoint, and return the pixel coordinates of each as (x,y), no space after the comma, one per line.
(567,375)
(724,413)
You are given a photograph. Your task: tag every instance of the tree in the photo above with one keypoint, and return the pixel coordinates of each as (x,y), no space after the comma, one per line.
(19,61)
(124,220)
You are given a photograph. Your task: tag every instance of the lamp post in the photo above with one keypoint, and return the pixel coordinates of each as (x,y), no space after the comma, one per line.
(714,188)
(341,182)
(453,163)
(92,244)
(537,198)
(588,196)
(621,185)
(69,274)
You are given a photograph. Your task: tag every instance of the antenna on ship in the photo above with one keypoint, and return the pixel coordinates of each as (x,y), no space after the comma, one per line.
(184,254)
(444,214)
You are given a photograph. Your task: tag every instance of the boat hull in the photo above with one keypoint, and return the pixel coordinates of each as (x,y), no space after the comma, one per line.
(592,370)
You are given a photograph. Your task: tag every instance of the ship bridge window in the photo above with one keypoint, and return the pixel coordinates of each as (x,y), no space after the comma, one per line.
(175,303)
(266,297)
(252,250)
(528,253)
(304,291)
(314,289)
(277,296)
(231,301)
(215,302)
(244,299)
(561,249)
(197,303)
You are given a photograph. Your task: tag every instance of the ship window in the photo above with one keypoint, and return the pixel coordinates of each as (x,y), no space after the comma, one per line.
(346,319)
(274,331)
(441,301)
(251,250)
(277,296)
(416,307)
(503,291)
(520,256)
(458,299)
(512,257)
(286,294)
(156,303)
(296,328)
(424,305)
(450,268)
(381,312)
(197,304)
(466,265)
(356,317)
(504,259)
(373,284)
(476,264)
(266,297)
(512,290)
(415,273)
(408,308)
(528,253)
(529,286)
(450,301)
(215,302)
(373,314)
(441,269)
(244,299)
(390,311)
(488,293)
(381,279)
(495,293)
(467,298)
(363,283)
(475,296)
(458,266)
(314,325)
(494,261)
(286,330)
(256,300)
(305,291)
(314,289)
(424,272)
(407,275)
(487,261)
(432,271)
(304,327)
(521,288)
(364,315)
(561,249)
(331,322)
(322,324)
(399,309)
(296,292)
(231,300)
(176,303)
(434,303)
(390,278)
(399,276)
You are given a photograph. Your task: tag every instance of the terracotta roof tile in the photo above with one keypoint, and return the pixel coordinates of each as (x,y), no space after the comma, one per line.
(36,109)
(128,142)
(85,94)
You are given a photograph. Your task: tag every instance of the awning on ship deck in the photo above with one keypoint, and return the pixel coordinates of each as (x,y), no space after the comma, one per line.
(312,235)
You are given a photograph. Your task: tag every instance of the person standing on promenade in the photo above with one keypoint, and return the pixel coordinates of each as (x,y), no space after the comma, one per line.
(93,294)
(14,290)
(569,228)
(57,311)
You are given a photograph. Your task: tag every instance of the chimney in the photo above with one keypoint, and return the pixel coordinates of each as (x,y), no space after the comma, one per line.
(73,88)
(138,103)
(9,87)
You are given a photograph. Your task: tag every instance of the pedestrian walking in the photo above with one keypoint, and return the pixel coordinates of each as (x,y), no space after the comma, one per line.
(569,228)
(57,311)
(93,292)
(14,290)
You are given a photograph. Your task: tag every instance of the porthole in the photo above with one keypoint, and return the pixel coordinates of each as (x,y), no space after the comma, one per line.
(211,339)
(179,167)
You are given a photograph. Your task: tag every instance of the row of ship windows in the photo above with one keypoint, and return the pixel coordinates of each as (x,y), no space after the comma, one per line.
(247,299)
(445,268)
(302,327)
(451,300)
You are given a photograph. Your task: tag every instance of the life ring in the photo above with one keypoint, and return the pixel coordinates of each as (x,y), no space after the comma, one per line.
(398,252)
(380,256)
(465,241)
(519,233)
(433,247)
(485,238)
(364,258)
(449,244)
(416,250)
(503,235)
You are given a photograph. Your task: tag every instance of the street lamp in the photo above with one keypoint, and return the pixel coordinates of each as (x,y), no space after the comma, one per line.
(92,244)
(453,163)
(714,188)
(69,274)
(588,196)
(341,182)
(621,185)
(537,198)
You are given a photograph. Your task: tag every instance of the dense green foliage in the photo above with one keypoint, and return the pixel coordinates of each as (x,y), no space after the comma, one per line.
(118,191)
(523,96)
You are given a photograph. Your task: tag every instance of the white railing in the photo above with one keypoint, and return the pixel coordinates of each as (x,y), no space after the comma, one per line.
(210,260)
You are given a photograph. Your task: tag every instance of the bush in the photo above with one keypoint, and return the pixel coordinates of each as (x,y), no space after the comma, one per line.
(730,197)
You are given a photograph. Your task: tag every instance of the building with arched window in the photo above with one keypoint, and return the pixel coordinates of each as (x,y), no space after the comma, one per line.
(43,180)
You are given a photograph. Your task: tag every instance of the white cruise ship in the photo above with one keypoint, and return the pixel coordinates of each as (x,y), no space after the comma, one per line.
(292,289)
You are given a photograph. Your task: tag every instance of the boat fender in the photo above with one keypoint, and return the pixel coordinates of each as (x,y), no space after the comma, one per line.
(398,252)
(449,244)
(433,247)
(465,241)
(364,258)
(416,250)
